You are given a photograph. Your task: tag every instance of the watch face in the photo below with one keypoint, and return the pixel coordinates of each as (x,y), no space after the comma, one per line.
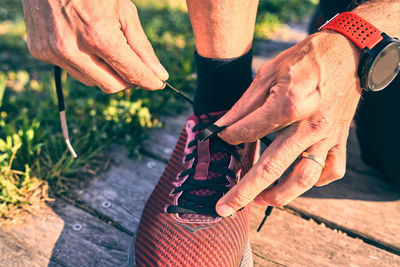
(385,67)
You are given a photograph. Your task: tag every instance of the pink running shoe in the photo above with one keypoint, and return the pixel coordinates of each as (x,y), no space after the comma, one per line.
(179,225)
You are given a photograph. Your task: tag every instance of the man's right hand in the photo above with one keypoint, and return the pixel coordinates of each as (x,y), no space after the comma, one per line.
(99,42)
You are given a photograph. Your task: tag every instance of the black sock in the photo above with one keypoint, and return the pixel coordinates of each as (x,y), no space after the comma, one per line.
(221,82)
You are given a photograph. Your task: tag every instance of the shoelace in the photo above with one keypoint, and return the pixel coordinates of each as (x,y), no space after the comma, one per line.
(61,110)
(190,203)
(193,204)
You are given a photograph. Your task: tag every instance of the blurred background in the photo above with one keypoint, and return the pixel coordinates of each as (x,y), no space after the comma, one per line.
(34,162)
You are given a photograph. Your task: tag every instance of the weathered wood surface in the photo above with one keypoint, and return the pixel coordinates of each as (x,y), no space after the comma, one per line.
(289,240)
(50,240)
(31,242)
(362,202)
(122,191)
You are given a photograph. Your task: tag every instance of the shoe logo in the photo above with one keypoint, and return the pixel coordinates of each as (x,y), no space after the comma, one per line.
(195,229)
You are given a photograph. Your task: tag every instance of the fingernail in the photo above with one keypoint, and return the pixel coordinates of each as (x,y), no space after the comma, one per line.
(162,73)
(225,210)
(163,86)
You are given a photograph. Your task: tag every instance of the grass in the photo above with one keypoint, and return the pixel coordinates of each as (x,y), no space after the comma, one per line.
(33,157)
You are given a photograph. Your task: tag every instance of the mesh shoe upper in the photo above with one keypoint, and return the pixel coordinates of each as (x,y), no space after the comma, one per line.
(179,226)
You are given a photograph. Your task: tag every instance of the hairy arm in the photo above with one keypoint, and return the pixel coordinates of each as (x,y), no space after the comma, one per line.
(383,14)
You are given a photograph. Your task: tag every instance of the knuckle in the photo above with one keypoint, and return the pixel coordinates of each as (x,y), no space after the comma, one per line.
(133,75)
(264,70)
(293,105)
(60,47)
(238,105)
(249,134)
(97,37)
(241,198)
(136,76)
(276,201)
(272,169)
(307,181)
(38,51)
(338,173)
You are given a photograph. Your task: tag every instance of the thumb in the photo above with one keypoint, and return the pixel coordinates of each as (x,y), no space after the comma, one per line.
(252,99)
(139,42)
(234,200)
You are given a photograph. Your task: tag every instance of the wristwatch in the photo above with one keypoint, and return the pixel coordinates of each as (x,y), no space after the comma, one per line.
(380,62)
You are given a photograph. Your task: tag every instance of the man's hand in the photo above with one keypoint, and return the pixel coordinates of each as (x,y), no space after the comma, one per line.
(99,42)
(308,95)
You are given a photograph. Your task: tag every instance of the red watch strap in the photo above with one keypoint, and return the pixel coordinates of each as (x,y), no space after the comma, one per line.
(361,32)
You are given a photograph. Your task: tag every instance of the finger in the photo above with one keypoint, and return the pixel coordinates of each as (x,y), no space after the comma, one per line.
(112,47)
(77,74)
(85,67)
(292,99)
(282,152)
(335,165)
(89,69)
(277,112)
(139,42)
(253,98)
(303,177)
(105,77)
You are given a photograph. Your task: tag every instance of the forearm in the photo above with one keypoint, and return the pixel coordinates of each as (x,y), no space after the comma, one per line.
(383,14)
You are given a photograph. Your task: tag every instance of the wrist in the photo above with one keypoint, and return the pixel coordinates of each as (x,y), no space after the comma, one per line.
(380,61)
(336,43)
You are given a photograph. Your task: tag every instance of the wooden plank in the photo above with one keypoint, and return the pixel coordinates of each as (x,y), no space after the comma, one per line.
(362,202)
(31,241)
(121,192)
(51,240)
(96,244)
(289,240)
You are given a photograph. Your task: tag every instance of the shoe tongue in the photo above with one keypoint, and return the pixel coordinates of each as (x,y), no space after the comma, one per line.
(206,154)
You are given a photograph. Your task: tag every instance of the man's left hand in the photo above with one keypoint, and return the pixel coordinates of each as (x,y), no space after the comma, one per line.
(308,95)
